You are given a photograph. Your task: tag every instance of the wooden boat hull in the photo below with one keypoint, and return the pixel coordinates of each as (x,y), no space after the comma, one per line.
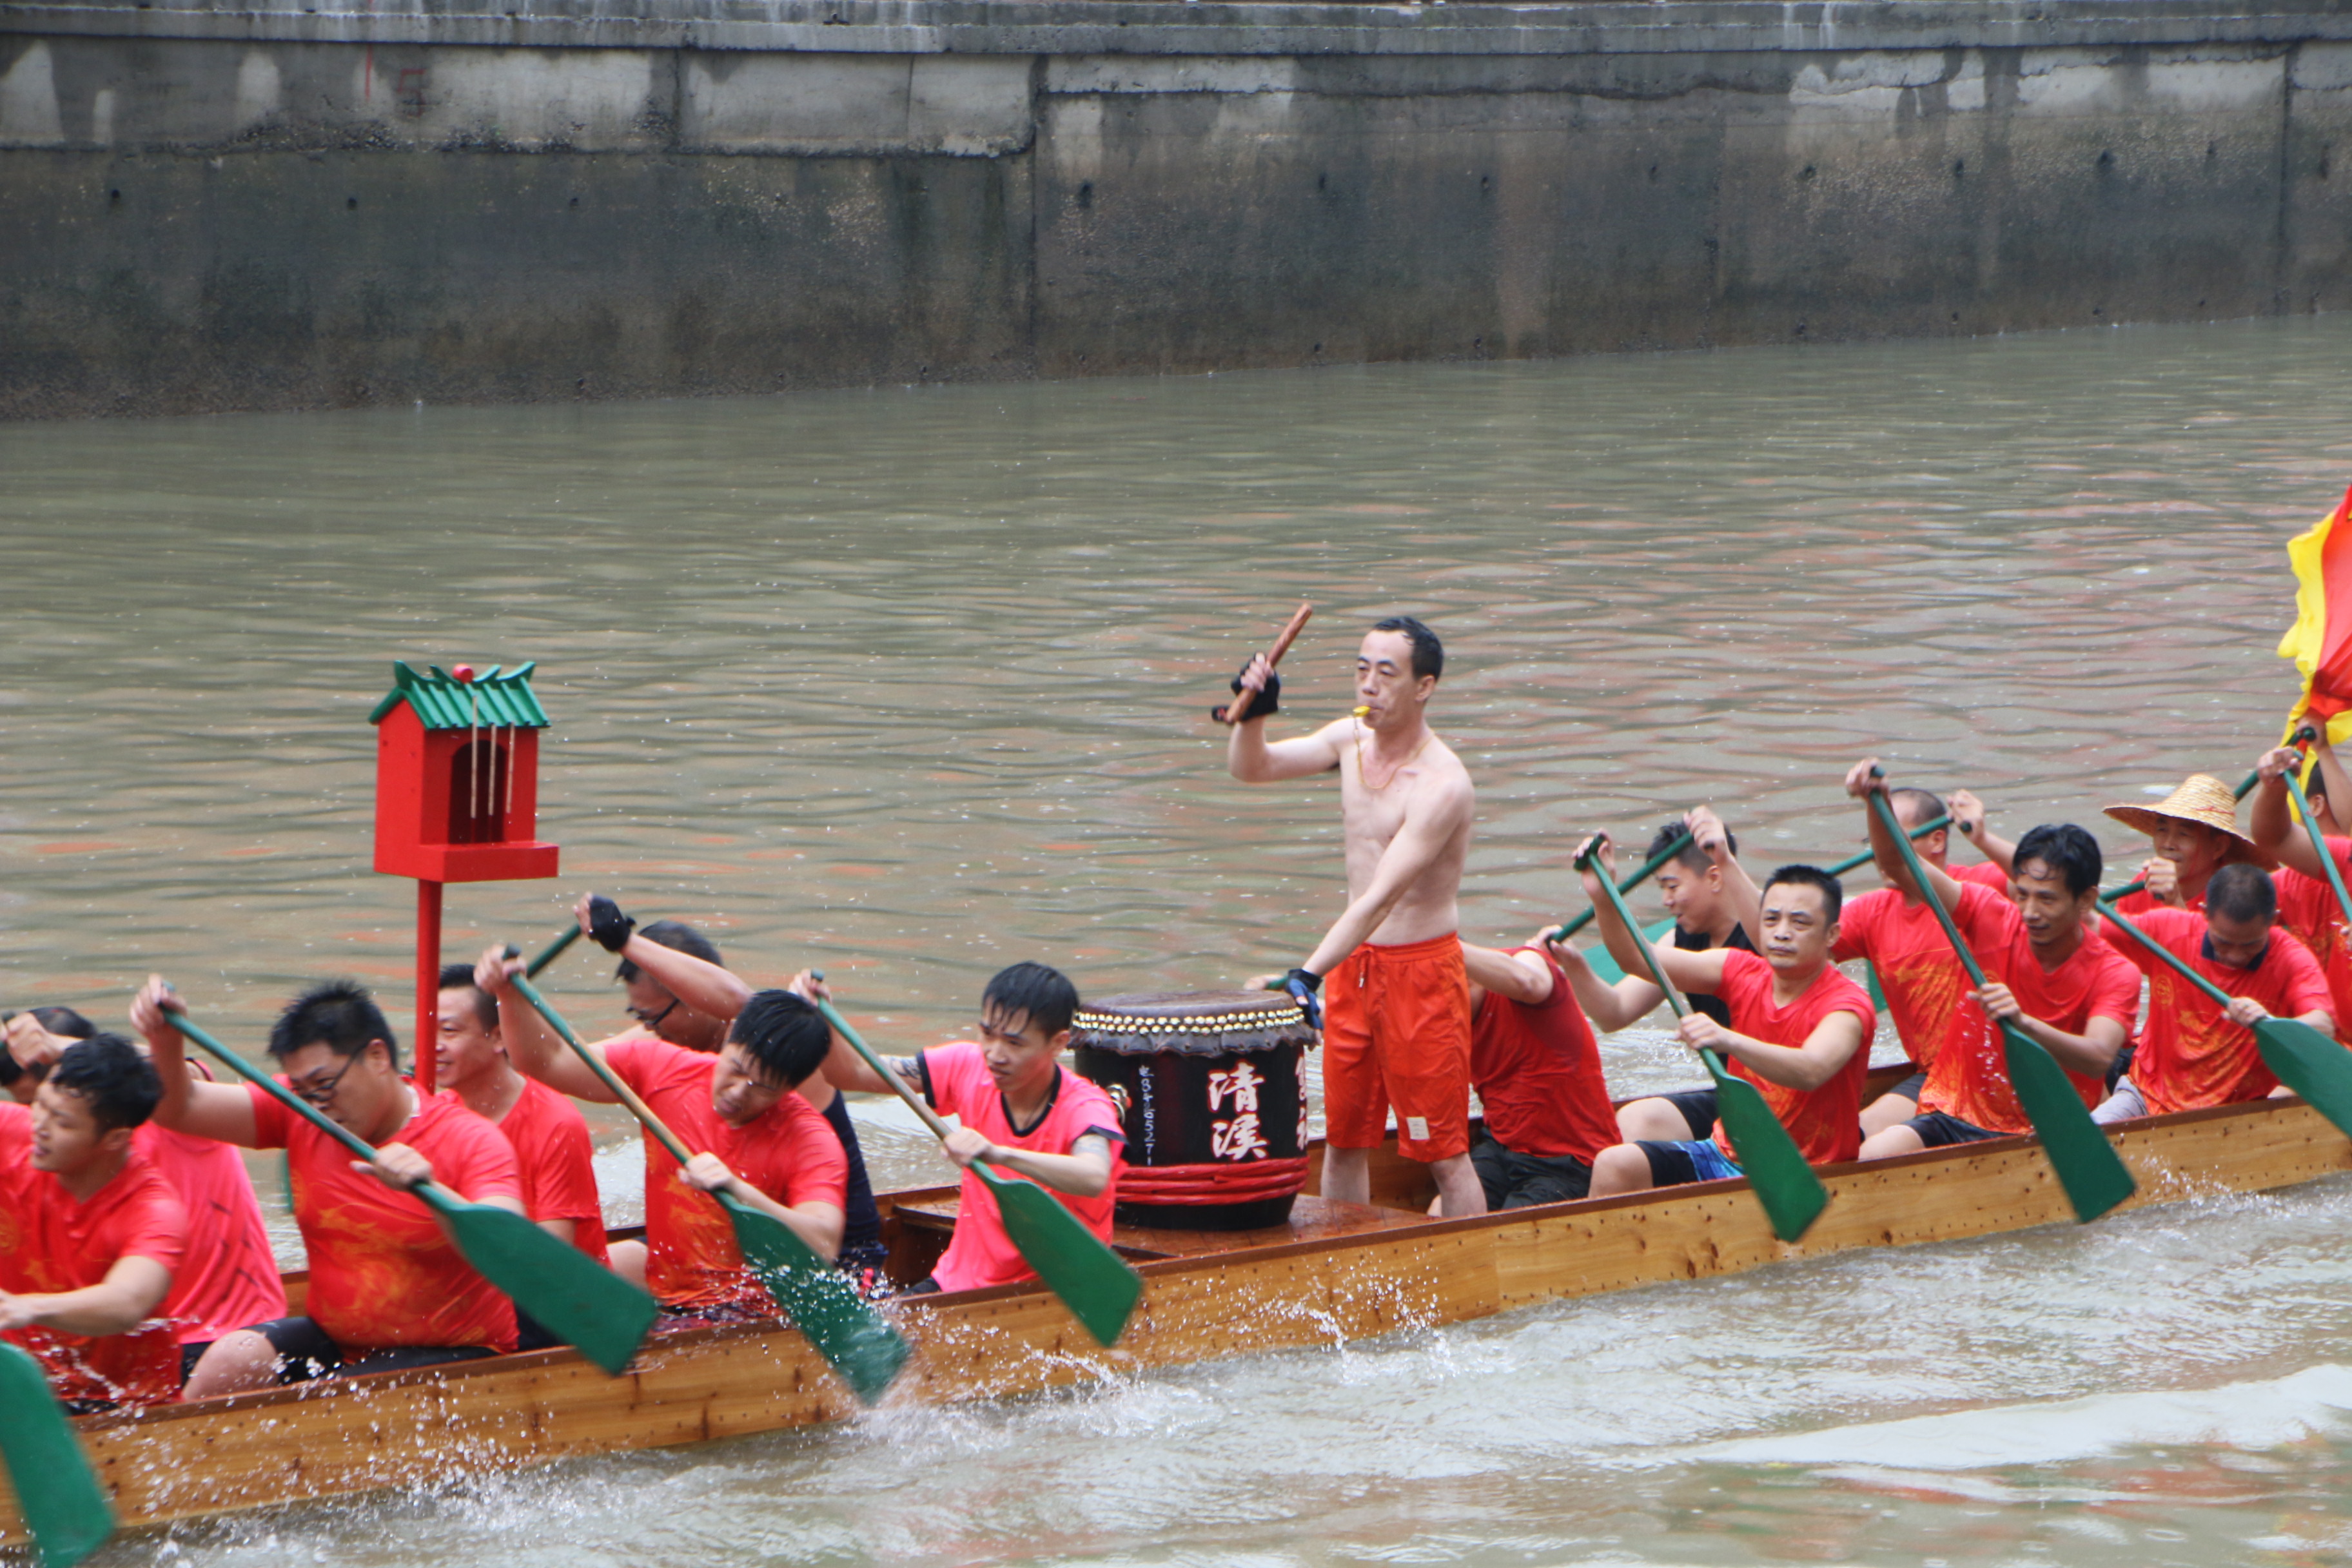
(411,1430)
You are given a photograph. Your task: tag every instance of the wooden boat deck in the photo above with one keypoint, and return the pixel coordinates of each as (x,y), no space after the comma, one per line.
(1312,1219)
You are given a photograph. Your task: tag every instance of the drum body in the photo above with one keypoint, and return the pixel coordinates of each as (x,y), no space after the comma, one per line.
(1211,1098)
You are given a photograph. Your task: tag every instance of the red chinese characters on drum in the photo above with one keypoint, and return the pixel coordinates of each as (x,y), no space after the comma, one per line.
(1212,1101)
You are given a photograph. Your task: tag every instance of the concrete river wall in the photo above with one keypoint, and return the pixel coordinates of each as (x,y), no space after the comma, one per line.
(276,204)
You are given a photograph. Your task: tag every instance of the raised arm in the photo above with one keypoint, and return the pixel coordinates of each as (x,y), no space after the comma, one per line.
(844,1068)
(1885,849)
(1968,816)
(2273,826)
(713,992)
(129,1295)
(221,1112)
(1714,841)
(533,1049)
(1252,759)
(1432,815)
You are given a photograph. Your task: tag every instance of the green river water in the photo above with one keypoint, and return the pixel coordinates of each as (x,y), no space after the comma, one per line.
(909,684)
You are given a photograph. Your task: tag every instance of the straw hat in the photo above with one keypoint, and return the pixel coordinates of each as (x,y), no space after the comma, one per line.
(2203,798)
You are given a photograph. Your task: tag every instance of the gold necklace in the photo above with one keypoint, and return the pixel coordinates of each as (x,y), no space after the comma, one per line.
(1361,773)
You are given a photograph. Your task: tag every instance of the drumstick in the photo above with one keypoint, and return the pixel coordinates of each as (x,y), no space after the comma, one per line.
(1238,710)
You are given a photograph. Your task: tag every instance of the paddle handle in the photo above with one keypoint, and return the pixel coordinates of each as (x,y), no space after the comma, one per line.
(914,1101)
(2108,907)
(1855,862)
(597,1064)
(553,951)
(1649,954)
(1238,710)
(1884,810)
(2245,787)
(1649,869)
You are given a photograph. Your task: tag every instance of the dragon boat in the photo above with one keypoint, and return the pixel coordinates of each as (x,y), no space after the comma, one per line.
(1333,1272)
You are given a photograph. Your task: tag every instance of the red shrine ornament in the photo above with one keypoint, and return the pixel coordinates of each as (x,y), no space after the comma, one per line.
(457,800)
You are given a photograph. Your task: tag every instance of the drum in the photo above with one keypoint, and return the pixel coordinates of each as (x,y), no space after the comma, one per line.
(1211,1098)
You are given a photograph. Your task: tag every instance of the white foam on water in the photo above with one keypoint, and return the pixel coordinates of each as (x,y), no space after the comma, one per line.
(2246,1416)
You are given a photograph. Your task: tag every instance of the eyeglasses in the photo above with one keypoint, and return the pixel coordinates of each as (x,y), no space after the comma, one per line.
(651,1020)
(324,1094)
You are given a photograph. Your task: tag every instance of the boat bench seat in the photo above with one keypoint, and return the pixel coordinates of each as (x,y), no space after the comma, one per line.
(1312,1219)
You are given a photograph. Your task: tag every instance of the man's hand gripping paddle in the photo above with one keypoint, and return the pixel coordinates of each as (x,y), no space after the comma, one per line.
(65,1507)
(819,1298)
(1098,1286)
(578,1301)
(2298,1056)
(1793,1196)
(2088,1167)
(1238,710)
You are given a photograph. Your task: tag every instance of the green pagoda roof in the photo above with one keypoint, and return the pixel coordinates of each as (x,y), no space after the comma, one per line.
(444,702)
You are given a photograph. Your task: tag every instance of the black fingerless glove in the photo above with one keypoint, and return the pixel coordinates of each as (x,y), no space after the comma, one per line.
(1266,704)
(608,927)
(1302,987)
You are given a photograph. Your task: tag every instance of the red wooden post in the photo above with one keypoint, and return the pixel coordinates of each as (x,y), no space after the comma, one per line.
(428,980)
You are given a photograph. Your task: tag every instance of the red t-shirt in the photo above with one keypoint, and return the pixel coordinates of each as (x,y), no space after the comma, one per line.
(381,1273)
(2095,982)
(2308,908)
(790,1153)
(553,1156)
(1825,1122)
(1921,979)
(51,1242)
(229,1280)
(1983,874)
(956,1082)
(1538,1073)
(2191,1057)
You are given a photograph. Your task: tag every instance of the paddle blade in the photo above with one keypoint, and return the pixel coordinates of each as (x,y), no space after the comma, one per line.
(1793,1196)
(1096,1284)
(823,1304)
(2088,1167)
(1606,967)
(574,1298)
(2312,1065)
(64,1507)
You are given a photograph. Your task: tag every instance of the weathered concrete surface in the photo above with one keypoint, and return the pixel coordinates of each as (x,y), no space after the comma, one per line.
(206,207)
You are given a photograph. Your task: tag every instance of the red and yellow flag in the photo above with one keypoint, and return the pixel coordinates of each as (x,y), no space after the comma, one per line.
(2320,642)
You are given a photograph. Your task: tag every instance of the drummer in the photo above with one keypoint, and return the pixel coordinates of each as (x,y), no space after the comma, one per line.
(1398,1036)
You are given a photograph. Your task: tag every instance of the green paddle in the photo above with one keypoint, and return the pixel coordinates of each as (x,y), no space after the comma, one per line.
(1793,1196)
(577,1299)
(2088,1167)
(2245,788)
(64,1507)
(819,1298)
(2298,1056)
(1096,1284)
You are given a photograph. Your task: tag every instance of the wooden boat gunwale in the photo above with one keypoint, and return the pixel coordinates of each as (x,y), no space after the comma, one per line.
(301,1444)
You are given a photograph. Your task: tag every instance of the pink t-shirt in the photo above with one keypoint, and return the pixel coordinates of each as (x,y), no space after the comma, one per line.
(956,1082)
(229,1280)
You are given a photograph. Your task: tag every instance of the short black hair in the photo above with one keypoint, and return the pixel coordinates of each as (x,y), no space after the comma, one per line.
(64,1021)
(1428,653)
(338,1015)
(1832,891)
(1692,855)
(2240,892)
(2315,786)
(1929,799)
(112,1077)
(460,977)
(2066,849)
(1043,996)
(678,936)
(785,1035)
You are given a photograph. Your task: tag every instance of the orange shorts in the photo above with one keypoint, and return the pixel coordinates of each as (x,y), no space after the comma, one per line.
(1396,1032)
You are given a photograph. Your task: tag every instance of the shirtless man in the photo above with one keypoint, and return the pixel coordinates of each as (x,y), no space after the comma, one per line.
(1398,1030)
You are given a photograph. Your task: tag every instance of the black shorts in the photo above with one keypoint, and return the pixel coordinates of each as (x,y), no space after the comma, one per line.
(305,1352)
(1912,1088)
(1697,1106)
(2121,1064)
(1517,1181)
(189,1356)
(1939,1130)
(1678,1165)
